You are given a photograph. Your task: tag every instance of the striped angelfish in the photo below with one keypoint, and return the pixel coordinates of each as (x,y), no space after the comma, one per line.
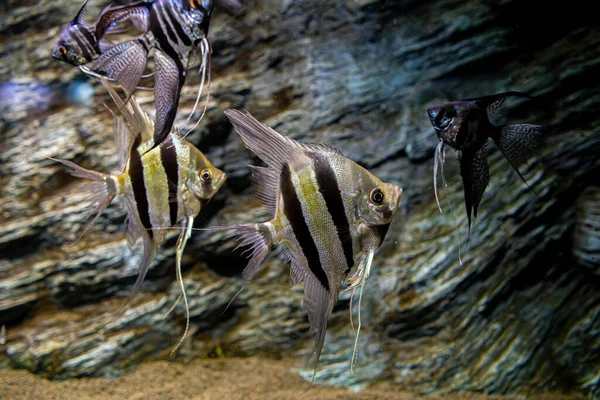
(328,212)
(77,43)
(173,29)
(161,187)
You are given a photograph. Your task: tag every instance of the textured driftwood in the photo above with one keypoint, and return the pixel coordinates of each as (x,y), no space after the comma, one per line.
(521,314)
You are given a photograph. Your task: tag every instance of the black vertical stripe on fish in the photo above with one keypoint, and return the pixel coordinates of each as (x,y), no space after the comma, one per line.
(136,175)
(328,186)
(382,230)
(168,156)
(144,45)
(166,26)
(91,39)
(163,42)
(177,25)
(205,24)
(293,212)
(463,134)
(82,45)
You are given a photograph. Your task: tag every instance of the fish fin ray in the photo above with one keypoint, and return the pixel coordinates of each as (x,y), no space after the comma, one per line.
(265,186)
(297,270)
(317,301)
(518,142)
(136,119)
(104,45)
(494,102)
(258,241)
(206,50)
(475,174)
(135,230)
(170,77)
(102,190)
(270,146)
(112,16)
(148,255)
(124,62)
(320,147)
(80,15)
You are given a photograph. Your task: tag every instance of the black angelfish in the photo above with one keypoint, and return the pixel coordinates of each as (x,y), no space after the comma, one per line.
(465,126)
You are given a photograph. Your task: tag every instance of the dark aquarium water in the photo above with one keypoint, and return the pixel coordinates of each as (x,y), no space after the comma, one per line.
(411,198)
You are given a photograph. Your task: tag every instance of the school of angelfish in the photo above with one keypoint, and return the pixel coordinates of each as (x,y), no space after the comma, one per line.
(328,213)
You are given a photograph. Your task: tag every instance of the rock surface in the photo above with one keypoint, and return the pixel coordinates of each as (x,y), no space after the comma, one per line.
(520,315)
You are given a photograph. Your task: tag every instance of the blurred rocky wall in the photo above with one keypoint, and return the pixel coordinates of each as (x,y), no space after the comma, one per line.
(521,314)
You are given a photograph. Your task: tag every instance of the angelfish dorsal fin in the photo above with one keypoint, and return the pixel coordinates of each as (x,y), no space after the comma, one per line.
(270,146)
(135,124)
(80,15)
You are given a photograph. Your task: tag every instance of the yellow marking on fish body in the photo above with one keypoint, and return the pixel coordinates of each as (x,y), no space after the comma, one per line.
(157,188)
(320,224)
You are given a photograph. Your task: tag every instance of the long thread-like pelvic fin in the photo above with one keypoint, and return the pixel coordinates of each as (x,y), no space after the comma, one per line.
(183,238)
(437,160)
(365,270)
(206,51)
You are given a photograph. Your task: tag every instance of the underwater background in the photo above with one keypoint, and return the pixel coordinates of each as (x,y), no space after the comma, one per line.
(519,316)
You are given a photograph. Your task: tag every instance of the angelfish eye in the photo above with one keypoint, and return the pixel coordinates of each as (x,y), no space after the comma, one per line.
(376,196)
(193,4)
(445,121)
(206,175)
(443,118)
(62,50)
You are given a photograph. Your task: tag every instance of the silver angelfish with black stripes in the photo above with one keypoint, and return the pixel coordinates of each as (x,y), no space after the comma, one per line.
(172,29)
(161,187)
(77,43)
(328,213)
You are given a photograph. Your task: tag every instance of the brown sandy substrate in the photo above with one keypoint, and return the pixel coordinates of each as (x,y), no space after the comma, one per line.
(219,379)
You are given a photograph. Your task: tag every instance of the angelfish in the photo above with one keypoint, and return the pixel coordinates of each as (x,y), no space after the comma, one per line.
(465,126)
(77,43)
(327,212)
(171,29)
(160,187)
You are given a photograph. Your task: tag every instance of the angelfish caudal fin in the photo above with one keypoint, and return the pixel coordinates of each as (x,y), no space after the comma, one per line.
(257,240)
(102,189)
